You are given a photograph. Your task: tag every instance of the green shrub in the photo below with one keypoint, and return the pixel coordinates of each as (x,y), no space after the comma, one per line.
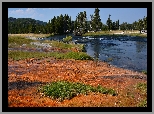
(105,90)
(78,56)
(81,47)
(67,90)
(67,39)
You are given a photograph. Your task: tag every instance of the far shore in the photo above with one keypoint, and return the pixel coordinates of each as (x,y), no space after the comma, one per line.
(31,35)
(99,33)
(116,32)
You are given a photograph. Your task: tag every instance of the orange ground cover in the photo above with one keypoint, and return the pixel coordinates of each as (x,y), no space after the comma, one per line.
(24,80)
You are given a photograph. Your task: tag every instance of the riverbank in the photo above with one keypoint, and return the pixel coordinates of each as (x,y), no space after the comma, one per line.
(99,33)
(32,35)
(118,32)
(32,66)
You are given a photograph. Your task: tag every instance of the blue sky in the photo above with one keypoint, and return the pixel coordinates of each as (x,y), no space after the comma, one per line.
(45,14)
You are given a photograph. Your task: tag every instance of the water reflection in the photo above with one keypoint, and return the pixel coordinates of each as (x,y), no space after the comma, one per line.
(126,53)
(96,49)
(140,46)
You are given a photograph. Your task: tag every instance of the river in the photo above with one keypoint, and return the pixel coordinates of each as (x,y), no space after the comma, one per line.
(122,51)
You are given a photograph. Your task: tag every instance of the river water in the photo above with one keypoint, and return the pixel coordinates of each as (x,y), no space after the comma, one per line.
(121,51)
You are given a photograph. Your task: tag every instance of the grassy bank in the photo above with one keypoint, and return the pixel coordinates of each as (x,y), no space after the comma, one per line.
(21,55)
(99,33)
(17,41)
(137,34)
(75,51)
(32,35)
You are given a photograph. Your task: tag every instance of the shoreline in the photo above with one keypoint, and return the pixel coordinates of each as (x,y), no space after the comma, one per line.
(47,47)
(116,33)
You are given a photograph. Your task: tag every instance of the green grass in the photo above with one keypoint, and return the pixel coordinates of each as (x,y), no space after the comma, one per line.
(78,56)
(67,90)
(144,72)
(19,40)
(143,103)
(15,41)
(21,55)
(142,87)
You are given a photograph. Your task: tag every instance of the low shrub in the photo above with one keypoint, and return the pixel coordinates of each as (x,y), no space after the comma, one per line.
(67,90)
(78,56)
(67,39)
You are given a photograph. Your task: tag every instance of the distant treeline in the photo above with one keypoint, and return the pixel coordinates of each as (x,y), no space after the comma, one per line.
(63,24)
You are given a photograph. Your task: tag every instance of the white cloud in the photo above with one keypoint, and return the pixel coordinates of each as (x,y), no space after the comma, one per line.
(54,8)
(50,8)
(30,10)
(18,11)
(29,13)
(41,15)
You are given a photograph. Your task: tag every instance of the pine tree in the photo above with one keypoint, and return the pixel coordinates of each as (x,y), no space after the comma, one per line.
(145,22)
(69,24)
(140,25)
(96,23)
(84,21)
(53,24)
(109,23)
(80,24)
